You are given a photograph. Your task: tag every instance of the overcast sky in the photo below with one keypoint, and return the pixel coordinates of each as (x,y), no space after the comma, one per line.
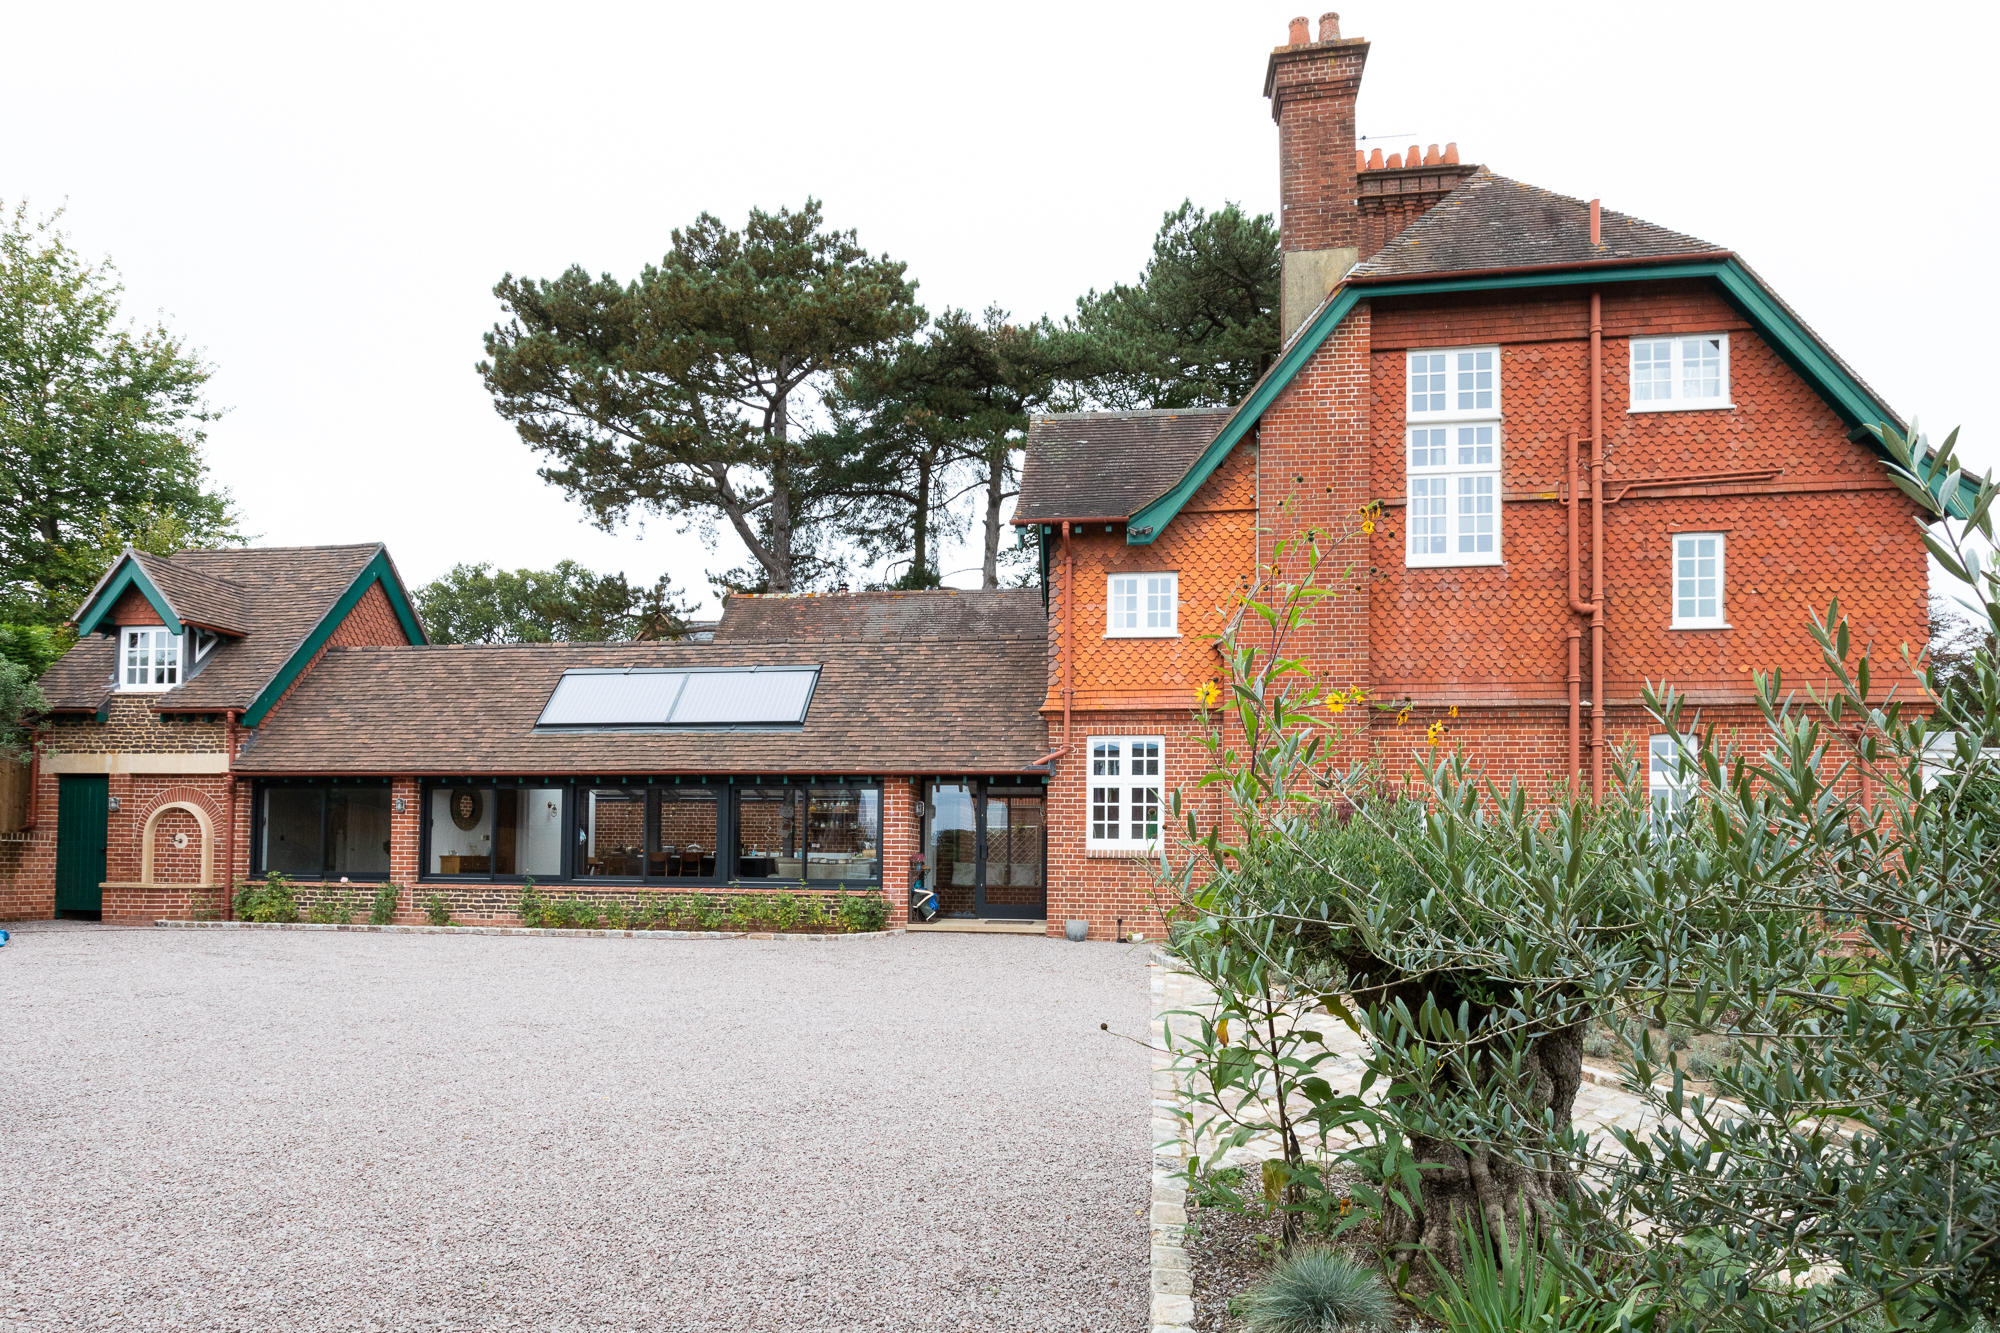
(321,197)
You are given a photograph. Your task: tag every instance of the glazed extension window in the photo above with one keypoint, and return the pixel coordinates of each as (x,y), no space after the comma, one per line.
(1124,788)
(323,832)
(1680,372)
(827,835)
(1452,442)
(1140,606)
(1698,581)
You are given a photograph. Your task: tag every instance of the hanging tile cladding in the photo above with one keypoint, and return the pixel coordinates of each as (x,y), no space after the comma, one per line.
(133,609)
(1460,634)
(132,727)
(879,708)
(1312,457)
(1209,546)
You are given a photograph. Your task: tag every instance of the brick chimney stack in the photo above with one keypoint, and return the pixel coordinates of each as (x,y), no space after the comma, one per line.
(1312,86)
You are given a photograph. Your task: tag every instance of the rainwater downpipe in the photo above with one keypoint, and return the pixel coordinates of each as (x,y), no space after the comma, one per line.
(1069,627)
(229,810)
(1596,546)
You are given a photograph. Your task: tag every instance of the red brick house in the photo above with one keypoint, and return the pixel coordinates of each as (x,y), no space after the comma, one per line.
(1603,452)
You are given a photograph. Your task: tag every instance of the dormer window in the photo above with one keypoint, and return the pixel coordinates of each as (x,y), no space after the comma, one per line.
(151,658)
(204,644)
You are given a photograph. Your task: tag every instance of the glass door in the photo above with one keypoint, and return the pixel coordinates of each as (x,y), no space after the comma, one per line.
(987,850)
(1012,883)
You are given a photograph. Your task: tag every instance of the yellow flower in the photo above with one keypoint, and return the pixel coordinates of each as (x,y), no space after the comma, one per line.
(1208,694)
(1337,705)
(1454,710)
(1368,526)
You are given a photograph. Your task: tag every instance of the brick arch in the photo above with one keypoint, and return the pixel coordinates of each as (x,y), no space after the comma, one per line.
(196,804)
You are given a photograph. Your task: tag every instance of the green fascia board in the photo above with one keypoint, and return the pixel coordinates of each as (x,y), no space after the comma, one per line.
(129,576)
(377,570)
(1798,348)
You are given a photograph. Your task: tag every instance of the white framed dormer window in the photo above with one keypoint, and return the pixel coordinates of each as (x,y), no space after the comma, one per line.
(1671,374)
(203,644)
(149,658)
(1453,466)
(1123,786)
(1141,606)
(1699,569)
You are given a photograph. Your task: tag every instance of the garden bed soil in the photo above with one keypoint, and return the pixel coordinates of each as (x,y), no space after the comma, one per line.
(1228,1251)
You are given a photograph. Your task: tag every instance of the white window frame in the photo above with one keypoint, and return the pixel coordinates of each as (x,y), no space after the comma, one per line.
(1150,599)
(1720,620)
(1115,796)
(1666,790)
(1452,451)
(167,674)
(1677,399)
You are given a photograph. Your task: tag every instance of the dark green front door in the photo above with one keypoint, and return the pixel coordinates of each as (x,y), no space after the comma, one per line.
(83,814)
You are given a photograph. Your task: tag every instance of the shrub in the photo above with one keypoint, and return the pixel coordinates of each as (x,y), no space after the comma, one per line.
(1505,1291)
(743,911)
(531,906)
(614,914)
(437,911)
(1313,1289)
(707,912)
(785,911)
(268,901)
(817,916)
(387,899)
(866,911)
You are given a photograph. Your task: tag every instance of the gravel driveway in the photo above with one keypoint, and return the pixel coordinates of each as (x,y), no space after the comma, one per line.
(264,1129)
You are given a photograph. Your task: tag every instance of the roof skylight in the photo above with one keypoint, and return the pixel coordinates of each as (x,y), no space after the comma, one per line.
(599,698)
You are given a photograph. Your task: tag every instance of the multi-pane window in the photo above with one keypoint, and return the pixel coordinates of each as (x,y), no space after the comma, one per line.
(313,832)
(1664,786)
(1454,468)
(1680,372)
(152,659)
(1141,605)
(1698,575)
(1125,791)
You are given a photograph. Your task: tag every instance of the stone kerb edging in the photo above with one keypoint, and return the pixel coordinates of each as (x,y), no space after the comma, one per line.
(1173,1285)
(523,930)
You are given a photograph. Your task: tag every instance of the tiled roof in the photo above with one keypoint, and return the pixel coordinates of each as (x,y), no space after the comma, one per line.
(81,681)
(197,598)
(907,706)
(279,593)
(866,617)
(1492,222)
(1109,464)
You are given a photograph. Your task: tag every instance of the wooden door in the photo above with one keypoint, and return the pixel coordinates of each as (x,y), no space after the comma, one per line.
(83,816)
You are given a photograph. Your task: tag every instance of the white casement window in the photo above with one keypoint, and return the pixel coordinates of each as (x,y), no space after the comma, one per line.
(1454,467)
(1124,793)
(1698,581)
(1663,774)
(1141,606)
(1682,372)
(150,659)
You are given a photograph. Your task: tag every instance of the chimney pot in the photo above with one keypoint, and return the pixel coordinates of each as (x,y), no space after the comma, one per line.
(1596,230)
(1413,157)
(1375,160)
(1329,27)
(1395,162)
(1431,156)
(1451,154)
(1299,34)
(1360,159)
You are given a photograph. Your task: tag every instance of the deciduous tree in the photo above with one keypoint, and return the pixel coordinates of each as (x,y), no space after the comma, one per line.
(481,604)
(101,427)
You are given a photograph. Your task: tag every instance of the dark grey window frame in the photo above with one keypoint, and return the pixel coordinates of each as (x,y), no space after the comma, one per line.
(260,786)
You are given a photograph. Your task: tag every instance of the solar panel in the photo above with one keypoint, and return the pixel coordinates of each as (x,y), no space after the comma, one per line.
(745,698)
(761,697)
(612,699)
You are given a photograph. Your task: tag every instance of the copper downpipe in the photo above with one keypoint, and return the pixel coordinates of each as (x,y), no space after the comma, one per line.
(1069,627)
(1596,547)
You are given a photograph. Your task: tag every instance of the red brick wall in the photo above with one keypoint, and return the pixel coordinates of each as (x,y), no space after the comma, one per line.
(1312,100)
